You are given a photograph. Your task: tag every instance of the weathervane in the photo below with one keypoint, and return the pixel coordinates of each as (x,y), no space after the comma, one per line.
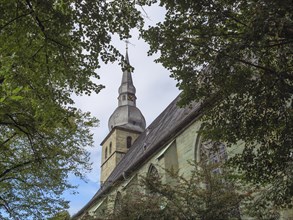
(127,43)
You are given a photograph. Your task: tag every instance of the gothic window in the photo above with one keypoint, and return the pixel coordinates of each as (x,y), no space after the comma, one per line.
(106,153)
(153,172)
(152,176)
(212,152)
(128,142)
(118,202)
(110,148)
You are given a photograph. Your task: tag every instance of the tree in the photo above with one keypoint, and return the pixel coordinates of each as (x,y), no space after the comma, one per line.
(205,194)
(211,191)
(49,50)
(64,215)
(236,57)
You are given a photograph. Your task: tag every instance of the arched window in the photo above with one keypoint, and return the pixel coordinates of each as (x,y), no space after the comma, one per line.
(213,152)
(210,152)
(110,148)
(118,202)
(153,178)
(106,153)
(153,172)
(128,142)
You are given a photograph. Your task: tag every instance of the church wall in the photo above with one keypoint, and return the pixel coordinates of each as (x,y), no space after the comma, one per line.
(186,147)
(121,136)
(105,204)
(108,167)
(181,148)
(117,142)
(109,162)
(185,144)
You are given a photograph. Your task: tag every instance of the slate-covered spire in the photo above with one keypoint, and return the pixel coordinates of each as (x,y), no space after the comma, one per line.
(126,56)
(127,115)
(126,90)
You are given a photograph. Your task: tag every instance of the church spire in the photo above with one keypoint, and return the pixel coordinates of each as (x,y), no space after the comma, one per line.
(127,115)
(127,90)
(126,56)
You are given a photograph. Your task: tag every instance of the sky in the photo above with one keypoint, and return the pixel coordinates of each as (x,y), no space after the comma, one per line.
(154,91)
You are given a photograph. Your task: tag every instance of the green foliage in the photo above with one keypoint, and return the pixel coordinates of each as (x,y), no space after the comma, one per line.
(49,50)
(64,215)
(211,191)
(203,195)
(236,58)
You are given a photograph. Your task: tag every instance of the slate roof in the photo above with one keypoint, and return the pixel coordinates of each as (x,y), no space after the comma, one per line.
(165,127)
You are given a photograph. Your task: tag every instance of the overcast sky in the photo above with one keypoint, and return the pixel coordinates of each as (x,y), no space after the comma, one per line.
(154,91)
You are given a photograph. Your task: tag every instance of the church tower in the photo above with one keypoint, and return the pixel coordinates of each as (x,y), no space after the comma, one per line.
(125,125)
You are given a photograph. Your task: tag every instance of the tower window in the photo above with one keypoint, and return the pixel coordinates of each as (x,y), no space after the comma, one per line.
(106,153)
(128,142)
(110,148)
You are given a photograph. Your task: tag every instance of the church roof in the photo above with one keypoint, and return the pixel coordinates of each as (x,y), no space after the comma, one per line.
(129,117)
(162,130)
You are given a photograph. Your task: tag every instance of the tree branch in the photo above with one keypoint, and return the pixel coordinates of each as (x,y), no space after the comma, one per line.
(37,51)
(14,19)
(227,14)
(8,209)
(280,44)
(39,23)
(265,69)
(9,170)
(42,27)
(17,125)
(57,42)
(8,139)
